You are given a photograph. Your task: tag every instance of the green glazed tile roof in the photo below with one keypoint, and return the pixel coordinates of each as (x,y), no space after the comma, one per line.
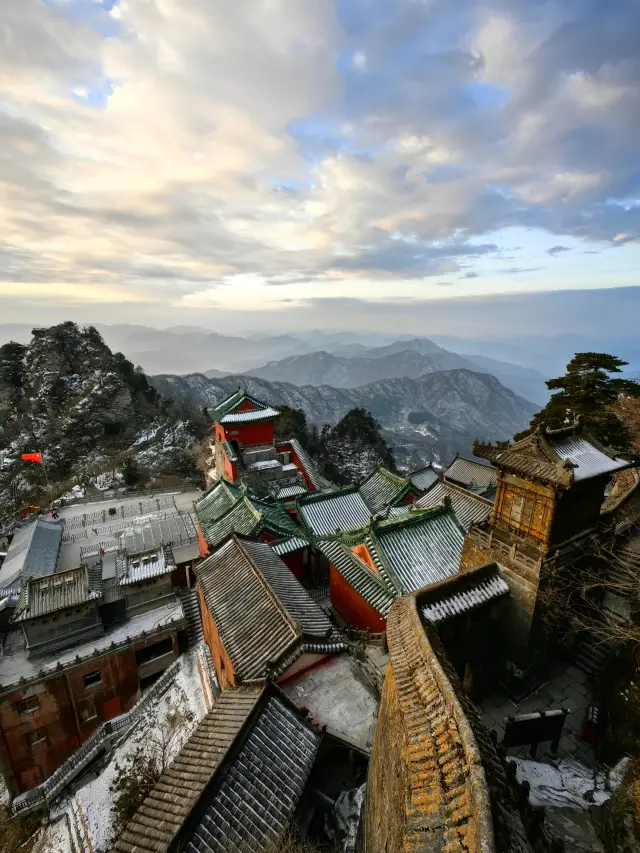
(357,574)
(417,549)
(326,514)
(225,410)
(226,509)
(382,488)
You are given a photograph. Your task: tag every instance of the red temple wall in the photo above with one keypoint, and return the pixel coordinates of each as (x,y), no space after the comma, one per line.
(248,434)
(358,612)
(295,562)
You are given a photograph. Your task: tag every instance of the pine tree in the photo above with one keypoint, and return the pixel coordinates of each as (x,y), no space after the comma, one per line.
(587,391)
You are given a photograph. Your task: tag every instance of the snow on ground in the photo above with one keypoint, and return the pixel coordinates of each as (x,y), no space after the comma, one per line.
(565,783)
(94,800)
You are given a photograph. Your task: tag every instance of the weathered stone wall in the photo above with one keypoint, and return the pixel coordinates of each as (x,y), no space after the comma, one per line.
(385,815)
(520,609)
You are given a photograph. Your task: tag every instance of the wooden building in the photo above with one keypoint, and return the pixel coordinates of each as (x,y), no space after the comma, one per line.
(258,620)
(549,495)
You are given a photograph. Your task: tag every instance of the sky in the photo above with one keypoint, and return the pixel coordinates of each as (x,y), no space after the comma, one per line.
(239,163)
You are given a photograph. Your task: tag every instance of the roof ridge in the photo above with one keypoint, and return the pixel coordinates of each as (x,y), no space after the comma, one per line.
(461,489)
(379,558)
(316,497)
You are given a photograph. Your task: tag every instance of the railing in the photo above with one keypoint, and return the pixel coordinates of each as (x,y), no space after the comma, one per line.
(511,552)
(101,739)
(88,519)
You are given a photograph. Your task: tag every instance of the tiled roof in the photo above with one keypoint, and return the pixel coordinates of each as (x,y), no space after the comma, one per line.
(159,819)
(320,483)
(33,551)
(142,567)
(225,411)
(456,796)
(261,611)
(250,415)
(357,574)
(382,488)
(40,596)
(588,460)
(225,509)
(424,478)
(336,511)
(175,529)
(289,492)
(467,506)
(463,593)
(417,549)
(290,592)
(558,456)
(254,802)
(287,546)
(468,472)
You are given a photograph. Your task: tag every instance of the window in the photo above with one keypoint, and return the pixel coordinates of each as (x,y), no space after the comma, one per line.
(92,678)
(87,710)
(37,737)
(28,705)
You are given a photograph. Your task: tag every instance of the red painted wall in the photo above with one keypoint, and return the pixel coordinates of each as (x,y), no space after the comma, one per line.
(358,613)
(202,543)
(221,660)
(248,434)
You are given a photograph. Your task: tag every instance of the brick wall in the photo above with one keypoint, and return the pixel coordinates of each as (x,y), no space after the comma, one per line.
(388,782)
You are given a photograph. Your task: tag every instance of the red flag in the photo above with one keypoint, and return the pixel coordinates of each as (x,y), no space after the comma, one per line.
(32,457)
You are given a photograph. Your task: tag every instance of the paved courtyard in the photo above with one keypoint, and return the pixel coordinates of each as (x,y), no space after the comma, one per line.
(567,688)
(338,696)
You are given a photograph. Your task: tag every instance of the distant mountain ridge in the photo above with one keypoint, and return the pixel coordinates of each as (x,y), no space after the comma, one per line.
(438,413)
(421,356)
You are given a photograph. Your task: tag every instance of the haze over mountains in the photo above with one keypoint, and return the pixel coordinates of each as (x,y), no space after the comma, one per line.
(433,416)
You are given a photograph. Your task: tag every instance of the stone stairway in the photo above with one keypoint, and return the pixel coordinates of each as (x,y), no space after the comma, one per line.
(591,655)
(192,612)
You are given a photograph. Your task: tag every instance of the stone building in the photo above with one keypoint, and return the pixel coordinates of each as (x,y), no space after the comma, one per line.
(436,782)
(550,493)
(80,650)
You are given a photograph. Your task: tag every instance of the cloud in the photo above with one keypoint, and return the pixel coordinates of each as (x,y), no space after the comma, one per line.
(556,250)
(470,275)
(163,148)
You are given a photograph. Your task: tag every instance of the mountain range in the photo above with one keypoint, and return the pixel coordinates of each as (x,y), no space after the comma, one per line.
(410,359)
(433,416)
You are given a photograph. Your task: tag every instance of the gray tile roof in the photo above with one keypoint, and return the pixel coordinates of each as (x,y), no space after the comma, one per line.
(468,472)
(287,546)
(338,511)
(250,415)
(33,551)
(142,567)
(289,492)
(159,819)
(417,549)
(261,611)
(40,596)
(424,478)
(467,506)
(462,594)
(382,488)
(255,801)
(588,460)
